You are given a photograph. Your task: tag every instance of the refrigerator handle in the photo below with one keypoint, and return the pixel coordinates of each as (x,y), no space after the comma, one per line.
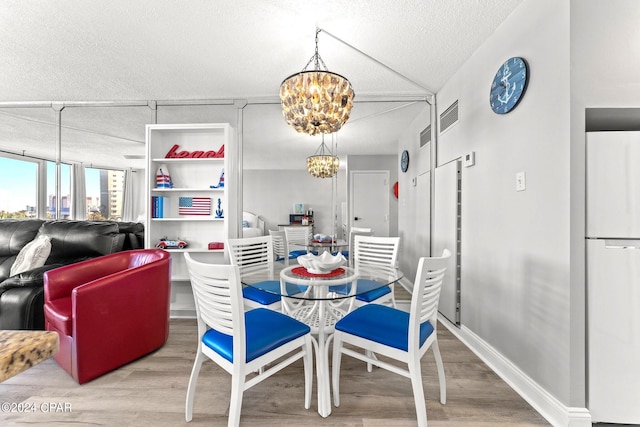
(622,243)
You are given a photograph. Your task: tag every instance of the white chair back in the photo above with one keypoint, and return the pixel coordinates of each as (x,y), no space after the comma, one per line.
(426,294)
(217,293)
(252,254)
(356,231)
(362,229)
(375,251)
(299,236)
(280,248)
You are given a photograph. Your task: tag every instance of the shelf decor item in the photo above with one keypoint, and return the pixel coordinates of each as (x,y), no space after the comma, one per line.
(220,181)
(194,205)
(163,179)
(159,206)
(219,211)
(173,153)
(165,243)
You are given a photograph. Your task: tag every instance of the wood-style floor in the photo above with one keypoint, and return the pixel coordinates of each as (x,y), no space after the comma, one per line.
(151,392)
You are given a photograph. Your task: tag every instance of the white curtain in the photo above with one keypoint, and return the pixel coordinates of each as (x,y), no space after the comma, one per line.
(79,192)
(127,197)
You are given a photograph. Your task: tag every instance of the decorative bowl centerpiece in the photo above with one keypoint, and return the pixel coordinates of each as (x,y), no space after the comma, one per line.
(321,264)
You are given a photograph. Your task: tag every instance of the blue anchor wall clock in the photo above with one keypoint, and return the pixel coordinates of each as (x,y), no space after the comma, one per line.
(509,85)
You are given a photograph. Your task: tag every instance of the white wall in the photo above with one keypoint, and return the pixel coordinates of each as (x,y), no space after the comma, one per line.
(515,245)
(272,193)
(411,220)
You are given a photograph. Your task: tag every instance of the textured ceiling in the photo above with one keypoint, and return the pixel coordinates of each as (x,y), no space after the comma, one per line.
(122,50)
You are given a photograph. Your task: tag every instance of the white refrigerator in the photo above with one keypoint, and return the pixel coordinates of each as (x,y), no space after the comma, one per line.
(613,276)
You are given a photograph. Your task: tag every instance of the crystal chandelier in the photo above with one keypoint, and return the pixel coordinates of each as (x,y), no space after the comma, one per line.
(323,164)
(316,101)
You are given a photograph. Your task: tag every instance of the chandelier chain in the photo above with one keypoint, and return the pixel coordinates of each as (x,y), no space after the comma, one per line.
(317,60)
(317,55)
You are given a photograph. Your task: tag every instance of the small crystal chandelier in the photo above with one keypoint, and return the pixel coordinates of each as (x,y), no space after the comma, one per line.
(323,164)
(316,101)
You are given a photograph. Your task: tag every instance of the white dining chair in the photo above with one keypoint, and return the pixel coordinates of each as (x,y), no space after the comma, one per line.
(353,232)
(242,343)
(372,251)
(280,248)
(298,237)
(254,255)
(396,334)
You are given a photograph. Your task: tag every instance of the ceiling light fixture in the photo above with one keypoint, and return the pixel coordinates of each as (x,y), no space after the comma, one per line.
(323,164)
(316,101)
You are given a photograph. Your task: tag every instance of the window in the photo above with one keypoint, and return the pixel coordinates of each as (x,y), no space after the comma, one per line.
(18,197)
(65,190)
(105,194)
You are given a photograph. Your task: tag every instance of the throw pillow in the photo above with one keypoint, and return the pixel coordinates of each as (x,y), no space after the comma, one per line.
(33,255)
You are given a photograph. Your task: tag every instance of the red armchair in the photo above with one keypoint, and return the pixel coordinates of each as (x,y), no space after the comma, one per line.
(108,311)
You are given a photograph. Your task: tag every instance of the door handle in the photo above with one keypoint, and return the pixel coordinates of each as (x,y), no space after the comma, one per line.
(355,218)
(622,244)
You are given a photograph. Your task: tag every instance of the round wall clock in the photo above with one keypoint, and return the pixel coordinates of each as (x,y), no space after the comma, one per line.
(509,85)
(404,161)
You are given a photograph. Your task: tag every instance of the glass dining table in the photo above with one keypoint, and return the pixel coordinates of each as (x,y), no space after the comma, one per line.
(320,300)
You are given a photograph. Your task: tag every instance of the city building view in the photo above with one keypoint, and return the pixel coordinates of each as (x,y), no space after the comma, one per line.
(104,189)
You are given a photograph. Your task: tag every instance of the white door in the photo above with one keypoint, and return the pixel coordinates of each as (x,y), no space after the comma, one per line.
(369,195)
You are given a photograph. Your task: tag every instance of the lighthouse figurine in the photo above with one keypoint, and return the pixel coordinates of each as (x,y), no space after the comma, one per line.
(163,179)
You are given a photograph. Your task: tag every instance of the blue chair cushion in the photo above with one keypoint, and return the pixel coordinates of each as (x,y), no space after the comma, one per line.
(266,330)
(376,292)
(295,254)
(364,284)
(263,297)
(382,324)
(271,292)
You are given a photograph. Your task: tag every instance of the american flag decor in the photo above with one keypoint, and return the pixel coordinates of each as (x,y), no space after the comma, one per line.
(194,206)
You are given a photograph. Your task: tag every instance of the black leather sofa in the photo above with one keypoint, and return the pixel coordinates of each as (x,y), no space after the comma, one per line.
(22,295)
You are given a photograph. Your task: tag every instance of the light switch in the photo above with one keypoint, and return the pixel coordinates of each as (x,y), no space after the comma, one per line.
(521,183)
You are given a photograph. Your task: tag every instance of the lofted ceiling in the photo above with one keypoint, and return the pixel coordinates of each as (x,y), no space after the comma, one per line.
(167,50)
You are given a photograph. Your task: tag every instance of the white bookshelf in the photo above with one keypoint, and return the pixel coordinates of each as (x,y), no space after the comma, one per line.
(191,177)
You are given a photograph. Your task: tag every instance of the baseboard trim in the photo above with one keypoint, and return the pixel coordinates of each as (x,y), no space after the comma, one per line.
(542,401)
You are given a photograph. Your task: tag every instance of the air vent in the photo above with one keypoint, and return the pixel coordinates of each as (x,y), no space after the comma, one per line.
(449,117)
(425,136)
